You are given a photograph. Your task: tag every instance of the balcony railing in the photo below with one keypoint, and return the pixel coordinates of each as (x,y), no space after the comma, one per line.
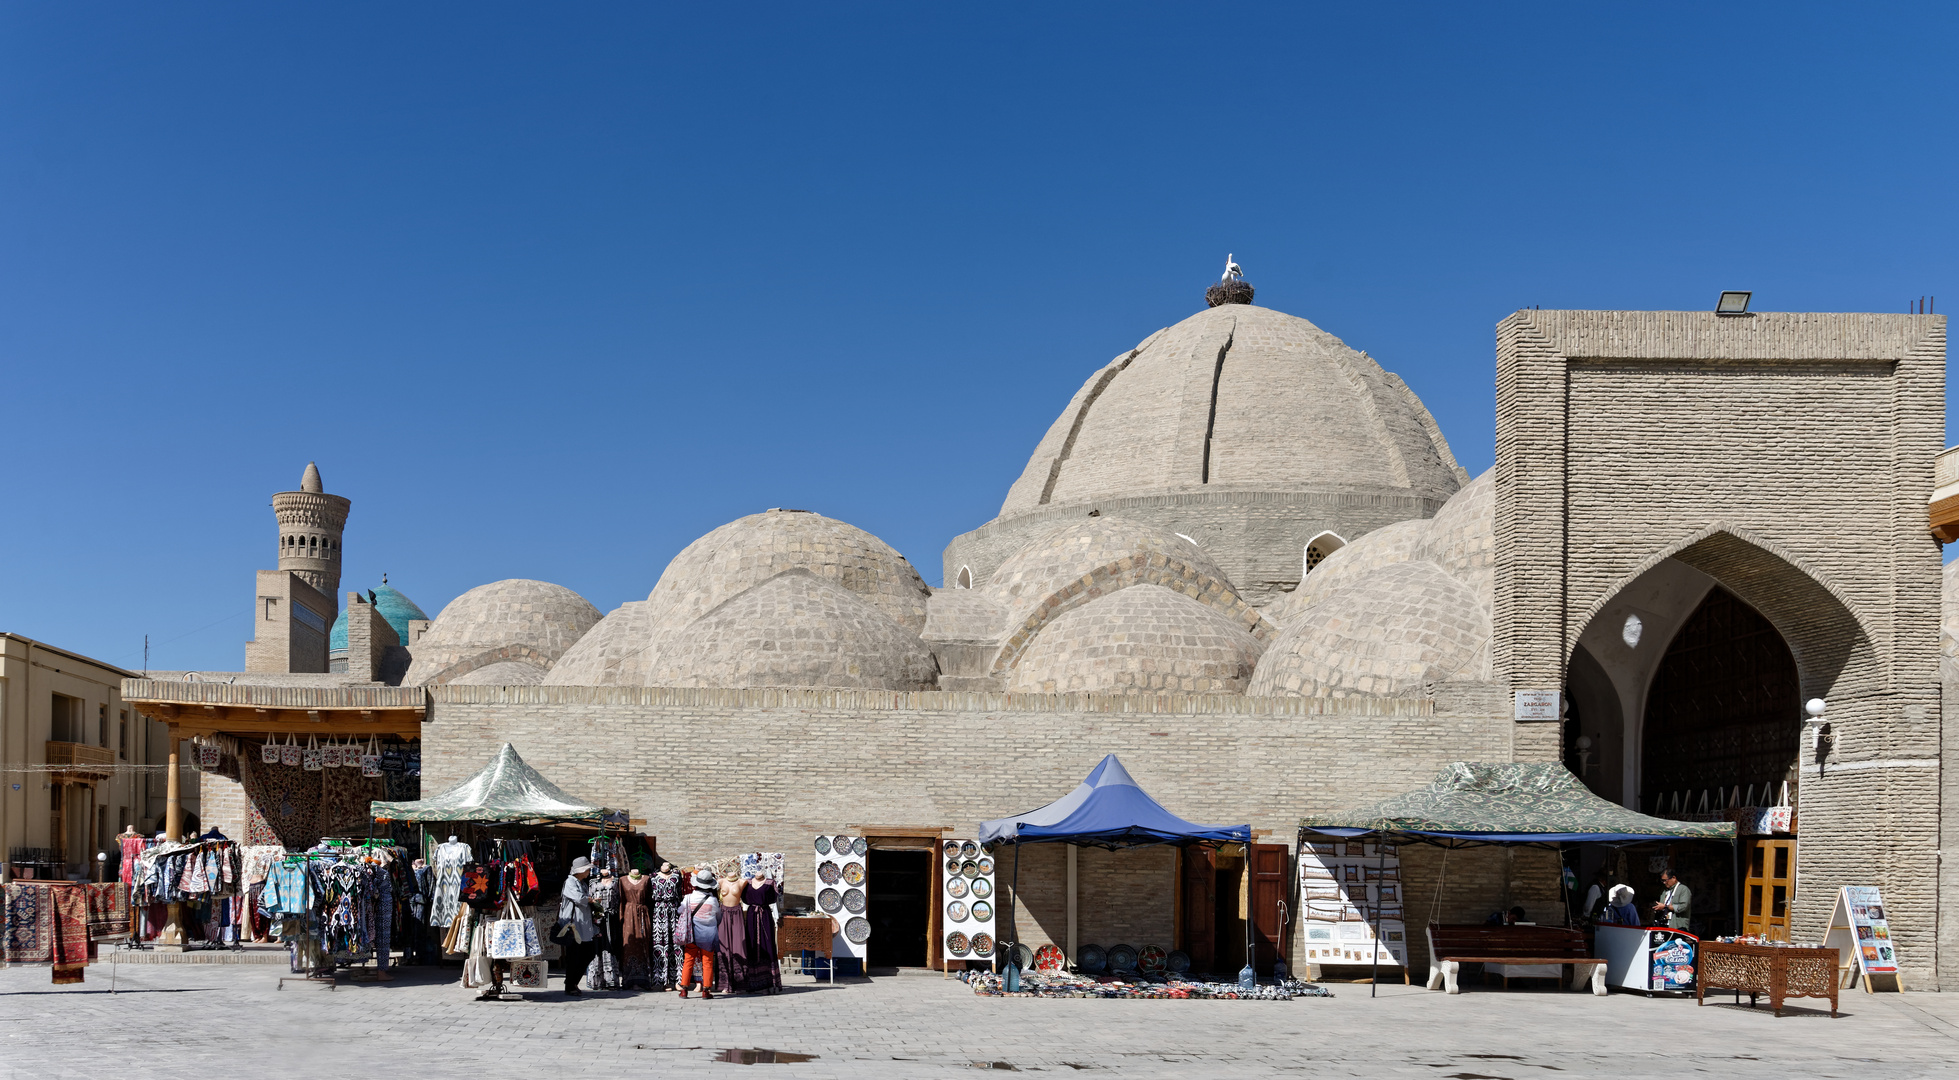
(79,755)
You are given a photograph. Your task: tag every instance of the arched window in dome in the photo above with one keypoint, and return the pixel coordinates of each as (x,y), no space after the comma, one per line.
(1319,547)
(965,577)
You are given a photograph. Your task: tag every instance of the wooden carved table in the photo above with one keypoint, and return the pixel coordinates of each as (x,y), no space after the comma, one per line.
(1778,971)
(799,934)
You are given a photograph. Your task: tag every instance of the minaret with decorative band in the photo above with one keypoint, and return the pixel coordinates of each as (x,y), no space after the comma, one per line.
(310,522)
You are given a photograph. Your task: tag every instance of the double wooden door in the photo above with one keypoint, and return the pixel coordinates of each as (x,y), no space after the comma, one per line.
(1269,905)
(1768,886)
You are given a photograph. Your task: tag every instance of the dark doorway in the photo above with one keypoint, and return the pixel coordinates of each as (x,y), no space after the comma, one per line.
(898,900)
(1199,904)
(1228,930)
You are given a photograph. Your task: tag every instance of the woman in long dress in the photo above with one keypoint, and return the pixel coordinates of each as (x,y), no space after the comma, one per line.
(761,969)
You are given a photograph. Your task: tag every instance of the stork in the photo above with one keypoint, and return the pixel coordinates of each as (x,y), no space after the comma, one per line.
(1231,271)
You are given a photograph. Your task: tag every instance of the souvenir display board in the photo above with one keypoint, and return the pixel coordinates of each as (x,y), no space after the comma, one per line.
(1861,933)
(1344,885)
(841,879)
(966,922)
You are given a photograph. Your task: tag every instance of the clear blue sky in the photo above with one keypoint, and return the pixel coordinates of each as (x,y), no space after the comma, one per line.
(551,291)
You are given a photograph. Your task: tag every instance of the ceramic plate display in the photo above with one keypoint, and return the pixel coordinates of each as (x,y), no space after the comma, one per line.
(858,930)
(986,865)
(822,845)
(1023,956)
(983,944)
(968,849)
(1091,959)
(841,845)
(829,901)
(969,868)
(1122,958)
(983,911)
(1152,959)
(951,867)
(853,873)
(1049,958)
(859,846)
(956,911)
(853,901)
(829,873)
(1178,962)
(956,888)
(982,888)
(957,943)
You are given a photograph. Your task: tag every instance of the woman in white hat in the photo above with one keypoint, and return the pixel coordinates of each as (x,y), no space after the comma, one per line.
(697,928)
(575,930)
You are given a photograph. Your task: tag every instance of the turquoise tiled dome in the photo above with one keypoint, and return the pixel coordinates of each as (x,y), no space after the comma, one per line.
(395,608)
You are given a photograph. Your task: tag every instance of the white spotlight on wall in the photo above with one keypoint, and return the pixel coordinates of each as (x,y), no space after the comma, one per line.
(1733,303)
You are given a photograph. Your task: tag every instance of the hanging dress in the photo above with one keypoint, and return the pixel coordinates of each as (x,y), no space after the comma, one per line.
(635,932)
(449,860)
(604,974)
(662,951)
(762,972)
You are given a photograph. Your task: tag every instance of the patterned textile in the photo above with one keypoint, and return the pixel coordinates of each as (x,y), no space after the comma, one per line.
(72,950)
(635,933)
(662,951)
(345,798)
(258,861)
(108,910)
(132,846)
(449,860)
(283,804)
(1511,798)
(29,929)
(763,864)
(604,972)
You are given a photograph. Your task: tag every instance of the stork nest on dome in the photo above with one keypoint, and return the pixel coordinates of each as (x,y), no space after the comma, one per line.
(1229,291)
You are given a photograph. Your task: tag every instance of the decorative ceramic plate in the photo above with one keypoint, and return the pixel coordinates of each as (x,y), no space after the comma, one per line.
(956,888)
(1049,958)
(1122,959)
(957,943)
(969,868)
(853,901)
(986,865)
(1091,959)
(983,911)
(858,930)
(1152,959)
(983,944)
(1023,956)
(968,849)
(1178,962)
(952,868)
(956,911)
(853,873)
(829,901)
(822,845)
(828,872)
(859,846)
(982,888)
(841,845)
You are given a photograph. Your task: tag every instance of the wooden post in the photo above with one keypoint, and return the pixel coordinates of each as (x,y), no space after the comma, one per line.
(172,933)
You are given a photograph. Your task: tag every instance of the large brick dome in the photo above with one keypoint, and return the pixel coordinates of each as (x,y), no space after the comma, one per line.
(796,629)
(1142,639)
(530,622)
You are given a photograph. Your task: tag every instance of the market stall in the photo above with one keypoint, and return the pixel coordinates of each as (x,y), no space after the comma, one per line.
(1468,804)
(1107,810)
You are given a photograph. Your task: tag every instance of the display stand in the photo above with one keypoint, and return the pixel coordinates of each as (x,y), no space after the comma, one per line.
(1351,905)
(842,878)
(1861,935)
(967,903)
(813,933)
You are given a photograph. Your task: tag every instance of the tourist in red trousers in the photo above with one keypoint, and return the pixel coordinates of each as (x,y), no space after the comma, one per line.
(698,928)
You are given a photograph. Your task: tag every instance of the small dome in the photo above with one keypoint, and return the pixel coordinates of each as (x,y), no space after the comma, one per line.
(518,619)
(310,479)
(748,551)
(1462,535)
(796,629)
(1369,552)
(613,653)
(963,615)
(1395,633)
(502,673)
(1142,639)
(397,609)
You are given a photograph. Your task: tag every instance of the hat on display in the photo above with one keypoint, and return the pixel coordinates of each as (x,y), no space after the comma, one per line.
(1621,895)
(581,865)
(704,878)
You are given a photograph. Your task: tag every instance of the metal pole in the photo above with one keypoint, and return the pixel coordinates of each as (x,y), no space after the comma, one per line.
(1381,864)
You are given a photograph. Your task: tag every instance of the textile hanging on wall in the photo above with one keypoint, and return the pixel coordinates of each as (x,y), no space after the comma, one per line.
(49,922)
(283,803)
(108,910)
(29,931)
(71,948)
(346,800)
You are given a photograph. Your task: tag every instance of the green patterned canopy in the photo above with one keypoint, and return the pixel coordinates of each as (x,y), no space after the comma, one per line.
(1510,803)
(506,790)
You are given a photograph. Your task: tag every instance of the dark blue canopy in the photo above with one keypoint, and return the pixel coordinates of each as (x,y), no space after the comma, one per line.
(1107,810)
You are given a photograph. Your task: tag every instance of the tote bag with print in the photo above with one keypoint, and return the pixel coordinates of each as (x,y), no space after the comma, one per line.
(370,762)
(289,753)
(309,758)
(268,752)
(513,937)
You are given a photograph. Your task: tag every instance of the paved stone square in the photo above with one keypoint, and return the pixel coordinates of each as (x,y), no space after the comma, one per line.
(199,1021)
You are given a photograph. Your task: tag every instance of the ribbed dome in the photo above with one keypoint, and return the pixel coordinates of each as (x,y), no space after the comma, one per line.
(397,609)
(1395,633)
(518,619)
(1462,535)
(1142,639)
(616,652)
(1384,546)
(1237,396)
(963,615)
(796,629)
(502,673)
(750,550)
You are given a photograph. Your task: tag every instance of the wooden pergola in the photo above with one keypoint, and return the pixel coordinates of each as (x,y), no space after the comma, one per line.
(259,712)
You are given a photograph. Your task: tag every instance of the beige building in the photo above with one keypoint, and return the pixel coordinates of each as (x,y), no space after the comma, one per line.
(80,763)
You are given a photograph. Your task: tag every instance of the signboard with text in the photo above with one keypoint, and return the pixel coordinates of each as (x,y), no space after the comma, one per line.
(1538,707)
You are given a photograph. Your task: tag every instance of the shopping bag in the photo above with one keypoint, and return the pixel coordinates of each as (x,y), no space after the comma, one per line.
(1782,815)
(289,753)
(268,752)
(208,756)
(513,937)
(330,755)
(370,762)
(309,758)
(527,974)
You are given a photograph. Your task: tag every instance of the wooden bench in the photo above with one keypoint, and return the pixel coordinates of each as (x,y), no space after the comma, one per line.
(1452,945)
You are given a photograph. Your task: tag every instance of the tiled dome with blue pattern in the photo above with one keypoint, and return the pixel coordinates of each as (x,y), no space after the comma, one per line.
(394,607)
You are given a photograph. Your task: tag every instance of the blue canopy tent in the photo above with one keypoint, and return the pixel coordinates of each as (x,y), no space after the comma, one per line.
(1106,810)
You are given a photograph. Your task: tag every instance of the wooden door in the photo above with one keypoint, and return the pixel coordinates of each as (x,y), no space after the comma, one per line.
(1197,906)
(1270,910)
(1768,886)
